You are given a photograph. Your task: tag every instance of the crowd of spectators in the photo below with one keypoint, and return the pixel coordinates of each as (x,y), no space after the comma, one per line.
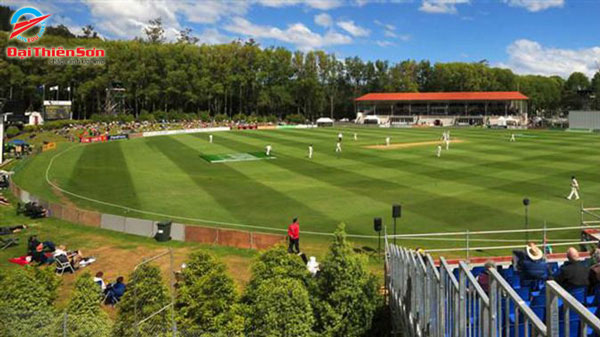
(574,275)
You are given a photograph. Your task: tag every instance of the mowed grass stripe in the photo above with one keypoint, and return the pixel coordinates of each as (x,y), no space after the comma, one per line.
(375,189)
(90,179)
(245,198)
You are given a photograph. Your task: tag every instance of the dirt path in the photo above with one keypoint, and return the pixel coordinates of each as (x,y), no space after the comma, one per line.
(409,145)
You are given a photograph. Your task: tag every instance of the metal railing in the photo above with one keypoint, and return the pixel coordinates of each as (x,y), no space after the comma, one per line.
(426,299)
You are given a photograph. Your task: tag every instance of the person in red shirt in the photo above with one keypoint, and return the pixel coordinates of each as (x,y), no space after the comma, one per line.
(294,237)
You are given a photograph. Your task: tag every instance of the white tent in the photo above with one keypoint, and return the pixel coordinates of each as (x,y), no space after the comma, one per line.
(35,118)
(372,120)
(324,121)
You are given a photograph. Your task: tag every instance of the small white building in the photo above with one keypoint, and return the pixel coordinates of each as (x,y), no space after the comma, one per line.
(34,118)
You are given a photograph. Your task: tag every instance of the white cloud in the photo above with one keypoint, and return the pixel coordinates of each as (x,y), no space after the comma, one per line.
(535,5)
(350,27)
(317,4)
(530,57)
(127,19)
(384,43)
(385,25)
(296,34)
(441,6)
(324,20)
(213,36)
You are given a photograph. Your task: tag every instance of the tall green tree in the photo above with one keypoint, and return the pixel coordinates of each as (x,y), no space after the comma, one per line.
(205,297)
(155,33)
(146,295)
(84,316)
(346,292)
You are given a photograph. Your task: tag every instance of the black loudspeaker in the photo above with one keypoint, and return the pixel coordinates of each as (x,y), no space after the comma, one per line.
(396,211)
(377,224)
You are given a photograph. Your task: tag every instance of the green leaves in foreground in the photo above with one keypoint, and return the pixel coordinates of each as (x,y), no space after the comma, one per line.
(84,315)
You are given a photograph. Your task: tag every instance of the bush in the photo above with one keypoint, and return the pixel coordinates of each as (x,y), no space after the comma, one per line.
(204,116)
(220,118)
(205,297)
(26,299)
(85,317)
(295,118)
(146,294)
(271,119)
(282,308)
(160,115)
(145,116)
(125,118)
(346,292)
(12,131)
(239,117)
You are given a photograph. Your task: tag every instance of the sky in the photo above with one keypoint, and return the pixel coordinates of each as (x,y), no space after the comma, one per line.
(546,37)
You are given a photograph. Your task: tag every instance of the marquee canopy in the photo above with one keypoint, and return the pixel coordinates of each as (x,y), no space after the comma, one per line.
(444,96)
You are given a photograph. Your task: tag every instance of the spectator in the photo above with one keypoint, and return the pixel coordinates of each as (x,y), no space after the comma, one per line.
(313,266)
(75,257)
(115,291)
(39,256)
(98,279)
(12,229)
(294,237)
(531,265)
(484,278)
(573,273)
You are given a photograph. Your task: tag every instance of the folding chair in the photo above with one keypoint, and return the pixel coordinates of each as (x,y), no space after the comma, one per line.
(62,264)
(8,242)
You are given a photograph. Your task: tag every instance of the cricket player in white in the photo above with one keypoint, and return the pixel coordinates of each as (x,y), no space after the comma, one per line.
(268,150)
(210,138)
(574,189)
(438,151)
(338,147)
(310,151)
(340,136)
(355,136)
(387,141)
(512,137)
(447,142)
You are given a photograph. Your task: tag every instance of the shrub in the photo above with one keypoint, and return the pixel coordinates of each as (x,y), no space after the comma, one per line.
(205,297)
(204,116)
(295,118)
(346,292)
(26,298)
(220,117)
(239,117)
(12,131)
(145,116)
(282,308)
(84,315)
(146,294)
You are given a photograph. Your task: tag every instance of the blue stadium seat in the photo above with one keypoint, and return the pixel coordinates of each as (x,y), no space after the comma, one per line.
(476,271)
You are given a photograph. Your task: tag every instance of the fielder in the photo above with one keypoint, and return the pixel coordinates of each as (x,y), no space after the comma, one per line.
(387,141)
(268,150)
(210,138)
(355,136)
(438,151)
(338,147)
(340,137)
(512,137)
(310,151)
(447,142)
(574,189)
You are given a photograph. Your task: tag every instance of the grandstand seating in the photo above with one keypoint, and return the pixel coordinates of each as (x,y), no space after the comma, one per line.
(521,314)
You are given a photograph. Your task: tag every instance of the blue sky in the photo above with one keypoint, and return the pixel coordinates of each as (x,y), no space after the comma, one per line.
(549,37)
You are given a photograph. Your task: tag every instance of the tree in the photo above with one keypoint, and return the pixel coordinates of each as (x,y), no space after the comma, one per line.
(282,308)
(205,297)
(88,32)
(346,293)
(84,316)
(595,86)
(146,294)
(185,36)
(574,91)
(60,30)
(26,299)
(155,33)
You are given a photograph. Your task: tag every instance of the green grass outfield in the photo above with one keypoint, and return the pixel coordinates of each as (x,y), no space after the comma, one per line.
(477,185)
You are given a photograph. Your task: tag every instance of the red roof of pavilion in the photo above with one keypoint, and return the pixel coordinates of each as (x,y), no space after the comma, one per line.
(446,96)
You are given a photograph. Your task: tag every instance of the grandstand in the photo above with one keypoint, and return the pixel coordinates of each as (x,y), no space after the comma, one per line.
(506,109)
(444,298)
